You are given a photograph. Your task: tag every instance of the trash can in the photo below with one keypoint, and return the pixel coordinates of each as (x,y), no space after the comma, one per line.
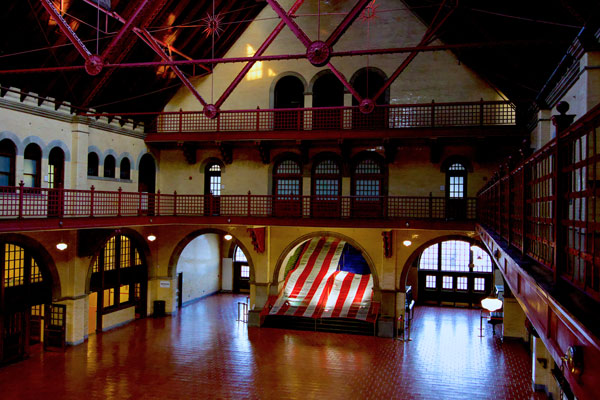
(159,308)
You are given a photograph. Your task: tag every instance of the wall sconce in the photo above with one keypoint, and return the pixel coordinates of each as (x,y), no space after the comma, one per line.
(151,238)
(407,243)
(62,246)
(574,360)
(228,237)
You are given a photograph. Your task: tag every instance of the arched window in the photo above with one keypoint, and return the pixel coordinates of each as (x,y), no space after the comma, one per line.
(26,286)
(92,164)
(119,278)
(454,271)
(326,189)
(125,169)
(241,271)
(8,153)
(109,166)
(456,191)
(289,93)
(32,166)
(328,91)
(287,188)
(212,179)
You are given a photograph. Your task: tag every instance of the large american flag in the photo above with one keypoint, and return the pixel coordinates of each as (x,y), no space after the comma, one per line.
(324,283)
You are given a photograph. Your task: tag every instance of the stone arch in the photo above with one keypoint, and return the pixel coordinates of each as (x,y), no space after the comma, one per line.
(139,159)
(401,284)
(171,269)
(329,155)
(454,159)
(43,256)
(62,146)
(110,152)
(124,155)
(278,78)
(101,237)
(316,76)
(277,272)
(211,160)
(16,141)
(386,95)
(35,139)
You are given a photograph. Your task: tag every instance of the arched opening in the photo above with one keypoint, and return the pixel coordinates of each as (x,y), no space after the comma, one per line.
(328,91)
(92,164)
(25,303)
(118,284)
(456,191)
(56,179)
(324,278)
(125,169)
(367,83)
(109,166)
(453,272)
(326,189)
(147,184)
(8,152)
(288,93)
(32,166)
(287,188)
(368,187)
(241,271)
(212,188)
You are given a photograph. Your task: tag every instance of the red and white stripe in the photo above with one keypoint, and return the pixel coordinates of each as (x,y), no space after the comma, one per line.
(349,297)
(305,287)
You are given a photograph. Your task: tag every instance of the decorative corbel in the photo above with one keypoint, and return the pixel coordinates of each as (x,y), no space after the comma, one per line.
(387,243)
(265,152)
(257,235)
(226,152)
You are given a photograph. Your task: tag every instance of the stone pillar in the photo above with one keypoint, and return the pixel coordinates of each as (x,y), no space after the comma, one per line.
(514,320)
(77,324)
(543,133)
(79,151)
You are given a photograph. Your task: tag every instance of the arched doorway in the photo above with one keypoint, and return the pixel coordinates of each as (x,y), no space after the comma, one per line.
(147,183)
(454,271)
(26,314)
(368,186)
(327,278)
(241,271)
(56,179)
(287,188)
(456,191)
(8,153)
(288,93)
(118,283)
(328,91)
(367,83)
(212,188)
(326,188)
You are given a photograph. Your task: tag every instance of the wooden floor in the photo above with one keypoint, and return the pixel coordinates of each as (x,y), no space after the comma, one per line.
(203,353)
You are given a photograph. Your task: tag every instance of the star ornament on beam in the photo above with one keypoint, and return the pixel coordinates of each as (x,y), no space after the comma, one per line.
(370,12)
(213,24)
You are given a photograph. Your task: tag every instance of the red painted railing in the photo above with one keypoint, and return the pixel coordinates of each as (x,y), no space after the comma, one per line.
(428,115)
(548,207)
(23,202)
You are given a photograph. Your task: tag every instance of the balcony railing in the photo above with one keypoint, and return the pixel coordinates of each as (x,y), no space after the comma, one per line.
(22,202)
(398,116)
(548,207)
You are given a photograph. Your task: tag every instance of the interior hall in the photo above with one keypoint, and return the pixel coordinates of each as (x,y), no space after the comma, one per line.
(300,199)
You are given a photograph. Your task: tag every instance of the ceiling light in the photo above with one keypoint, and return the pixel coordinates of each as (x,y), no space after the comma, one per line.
(151,238)
(491,304)
(62,246)
(407,243)
(228,237)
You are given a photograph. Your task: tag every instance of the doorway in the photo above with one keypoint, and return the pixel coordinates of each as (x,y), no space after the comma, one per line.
(56,166)
(147,184)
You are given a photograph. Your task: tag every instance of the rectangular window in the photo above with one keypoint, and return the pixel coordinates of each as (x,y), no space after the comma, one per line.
(327,187)
(245,273)
(95,266)
(455,256)
(125,252)
(124,294)
(367,187)
(287,187)
(430,282)
(461,283)
(109,255)
(447,282)
(30,173)
(457,187)
(109,297)
(5,170)
(215,185)
(14,265)
(479,284)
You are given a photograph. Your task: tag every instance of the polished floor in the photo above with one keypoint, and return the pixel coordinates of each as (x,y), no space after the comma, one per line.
(203,353)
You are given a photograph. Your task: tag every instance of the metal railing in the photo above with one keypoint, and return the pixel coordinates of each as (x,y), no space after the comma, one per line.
(548,207)
(24,202)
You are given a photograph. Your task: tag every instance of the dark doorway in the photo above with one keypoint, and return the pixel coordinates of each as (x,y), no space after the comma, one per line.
(367,83)
(147,184)
(328,91)
(212,188)
(56,175)
(287,189)
(289,93)
(180,290)
(241,271)
(456,192)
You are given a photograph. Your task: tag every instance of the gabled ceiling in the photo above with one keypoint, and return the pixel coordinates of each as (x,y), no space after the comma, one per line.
(29,38)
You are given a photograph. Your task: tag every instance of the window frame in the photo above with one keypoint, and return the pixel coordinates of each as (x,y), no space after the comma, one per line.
(9,150)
